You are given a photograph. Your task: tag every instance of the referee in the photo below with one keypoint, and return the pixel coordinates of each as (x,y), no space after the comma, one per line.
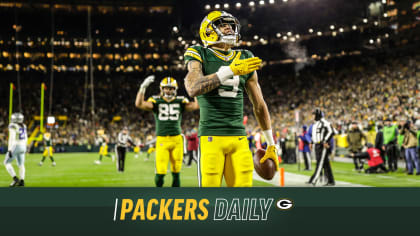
(121,148)
(321,133)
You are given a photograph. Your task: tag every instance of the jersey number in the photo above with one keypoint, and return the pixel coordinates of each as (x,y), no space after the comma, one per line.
(234,83)
(21,133)
(169,111)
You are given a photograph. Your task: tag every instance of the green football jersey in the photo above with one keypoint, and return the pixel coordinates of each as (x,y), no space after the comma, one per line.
(221,110)
(168,115)
(47,142)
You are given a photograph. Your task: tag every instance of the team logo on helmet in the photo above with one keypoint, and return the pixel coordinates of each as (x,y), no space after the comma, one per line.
(168,82)
(210,33)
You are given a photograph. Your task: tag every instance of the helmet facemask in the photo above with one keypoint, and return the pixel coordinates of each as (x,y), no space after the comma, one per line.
(169,95)
(230,39)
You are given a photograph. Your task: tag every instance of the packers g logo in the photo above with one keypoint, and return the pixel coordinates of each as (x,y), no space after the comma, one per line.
(284,204)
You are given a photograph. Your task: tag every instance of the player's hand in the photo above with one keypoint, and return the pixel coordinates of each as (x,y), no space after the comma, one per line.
(245,66)
(149,79)
(270,153)
(8,154)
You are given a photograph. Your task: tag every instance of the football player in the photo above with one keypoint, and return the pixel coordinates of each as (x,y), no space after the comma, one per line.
(218,77)
(16,149)
(103,149)
(48,149)
(167,109)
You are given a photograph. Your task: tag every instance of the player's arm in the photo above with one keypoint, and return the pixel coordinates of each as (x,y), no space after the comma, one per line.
(192,106)
(140,102)
(254,92)
(197,84)
(12,141)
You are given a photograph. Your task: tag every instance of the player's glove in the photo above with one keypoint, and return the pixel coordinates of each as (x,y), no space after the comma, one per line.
(149,79)
(271,153)
(239,67)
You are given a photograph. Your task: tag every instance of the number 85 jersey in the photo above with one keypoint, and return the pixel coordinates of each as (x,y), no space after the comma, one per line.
(221,110)
(168,115)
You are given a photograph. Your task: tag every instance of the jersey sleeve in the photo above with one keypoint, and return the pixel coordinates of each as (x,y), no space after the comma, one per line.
(193,53)
(153,100)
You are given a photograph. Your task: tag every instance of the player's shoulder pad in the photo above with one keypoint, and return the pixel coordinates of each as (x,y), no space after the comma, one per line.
(245,53)
(193,53)
(183,99)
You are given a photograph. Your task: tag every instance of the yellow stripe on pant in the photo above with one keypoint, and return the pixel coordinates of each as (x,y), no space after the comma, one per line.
(169,149)
(227,156)
(48,151)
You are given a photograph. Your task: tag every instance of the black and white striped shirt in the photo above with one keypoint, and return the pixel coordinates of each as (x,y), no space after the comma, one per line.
(123,139)
(322,131)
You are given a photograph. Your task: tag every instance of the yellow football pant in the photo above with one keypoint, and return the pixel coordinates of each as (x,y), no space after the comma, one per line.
(150,150)
(227,156)
(48,152)
(103,150)
(169,148)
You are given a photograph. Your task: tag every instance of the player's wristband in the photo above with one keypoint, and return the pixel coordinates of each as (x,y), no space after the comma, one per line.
(142,89)
(268,134)
(224,73)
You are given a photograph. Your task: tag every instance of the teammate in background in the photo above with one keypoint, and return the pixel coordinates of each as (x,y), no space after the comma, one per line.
(218,77)
(167,109)
(150,145)
(103,149)
(137,148)
(16,149)
(48,149)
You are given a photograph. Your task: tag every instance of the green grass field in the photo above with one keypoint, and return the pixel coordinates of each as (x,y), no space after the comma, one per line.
(79,170)
(344,172)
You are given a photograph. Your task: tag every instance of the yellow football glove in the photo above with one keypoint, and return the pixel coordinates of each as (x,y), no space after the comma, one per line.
(245,66)
(271,153)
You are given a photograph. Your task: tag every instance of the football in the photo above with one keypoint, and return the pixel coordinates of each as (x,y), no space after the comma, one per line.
(266,170)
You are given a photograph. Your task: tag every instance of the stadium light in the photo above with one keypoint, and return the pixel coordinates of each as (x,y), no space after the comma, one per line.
(383,1)
(278,35)
(332,27)
(292,39)
(354,27)
(226,5)
(217,6)
(175,29)
(341,30)
(271,1)
(179,38)
(285,37)
(251,3)
(386,35)
(207,7)
(284,0)
(194,42)
(365,20)
(297,36)
(311,30)
(371,41)
(238,5)
(289,33)
(319,33)
(334,33)
(180,57)
(385,14)
(376,23)
(262,2)
(378,40)
(256,37)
